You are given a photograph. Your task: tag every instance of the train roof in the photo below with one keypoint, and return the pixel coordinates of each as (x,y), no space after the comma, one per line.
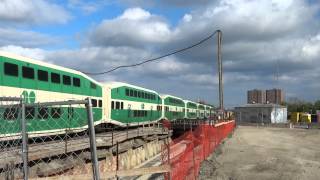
(115,84)
(186,101)
(41,63)
(168,95)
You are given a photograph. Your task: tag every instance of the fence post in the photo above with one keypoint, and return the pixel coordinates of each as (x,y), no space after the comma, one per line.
(24,140)
(112,136)
(117,160)
(168,149)
(92,138)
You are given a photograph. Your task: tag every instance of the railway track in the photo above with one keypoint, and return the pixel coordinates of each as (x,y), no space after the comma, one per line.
(55,148)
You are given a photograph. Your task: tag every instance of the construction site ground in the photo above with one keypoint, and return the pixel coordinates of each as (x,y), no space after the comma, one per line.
(266,153)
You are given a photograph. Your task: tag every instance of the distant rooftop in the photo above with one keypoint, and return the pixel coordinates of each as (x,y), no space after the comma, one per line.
(261,105)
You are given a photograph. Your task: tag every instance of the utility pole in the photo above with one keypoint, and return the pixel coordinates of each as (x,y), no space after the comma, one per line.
(219,43)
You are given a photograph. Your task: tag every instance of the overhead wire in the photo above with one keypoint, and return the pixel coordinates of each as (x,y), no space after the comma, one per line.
(157,58)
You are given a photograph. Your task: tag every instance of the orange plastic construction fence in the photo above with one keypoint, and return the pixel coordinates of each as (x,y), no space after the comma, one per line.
(186,153)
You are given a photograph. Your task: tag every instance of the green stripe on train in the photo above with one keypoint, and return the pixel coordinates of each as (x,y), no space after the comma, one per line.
(127,116)
(66,120)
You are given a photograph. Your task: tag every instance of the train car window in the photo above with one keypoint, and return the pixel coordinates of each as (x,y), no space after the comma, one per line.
(43,113)
(117,105)
(29,113)
(27,72)
(139,94)
(127,92)
(146,113)
(42,75)
(55,78)
(134,113)
(11,69)
(121,105)
(100,103)
(142,95)
(94,102)
(11,113)
(76,82)
(56,113)
(93,85)
(135,93)
(112,105)
(131,92)
(66,80)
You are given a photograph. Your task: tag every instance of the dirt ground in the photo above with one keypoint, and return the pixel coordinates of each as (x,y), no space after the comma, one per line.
(266,153)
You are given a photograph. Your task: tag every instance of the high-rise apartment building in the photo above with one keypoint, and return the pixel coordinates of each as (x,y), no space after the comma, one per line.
(274,96)
(256,96)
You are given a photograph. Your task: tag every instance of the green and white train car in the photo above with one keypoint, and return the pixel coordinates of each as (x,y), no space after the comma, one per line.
(172,107)
(131,105)
(212,111)
(113,103)
(37,82)
(191,109)
(207,111)
(201,111)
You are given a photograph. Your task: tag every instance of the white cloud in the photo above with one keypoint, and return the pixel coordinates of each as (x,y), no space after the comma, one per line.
(135,14)
(135,27)
(187,17)
(311,49)
(34,53)
(10,36)
(32,11)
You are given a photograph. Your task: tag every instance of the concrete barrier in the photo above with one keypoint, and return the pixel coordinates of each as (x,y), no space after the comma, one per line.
(133,157)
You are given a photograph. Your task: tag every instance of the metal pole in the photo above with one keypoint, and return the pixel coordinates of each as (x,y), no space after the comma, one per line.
(92,138)
(168,142)
(112,136)
(127,130)
(24,140)
(219,42)
(117,159)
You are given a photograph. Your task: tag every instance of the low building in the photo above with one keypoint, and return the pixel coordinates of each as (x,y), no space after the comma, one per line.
(261,113)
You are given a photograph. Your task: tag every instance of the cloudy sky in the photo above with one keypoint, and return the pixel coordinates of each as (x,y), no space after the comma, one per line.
(266,43)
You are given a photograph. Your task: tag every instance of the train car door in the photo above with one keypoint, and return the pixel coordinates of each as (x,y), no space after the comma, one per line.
(70,116)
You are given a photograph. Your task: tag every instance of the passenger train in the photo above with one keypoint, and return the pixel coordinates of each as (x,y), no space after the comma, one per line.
(114,103)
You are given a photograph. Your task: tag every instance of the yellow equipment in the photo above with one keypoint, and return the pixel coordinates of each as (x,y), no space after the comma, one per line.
(305,118)
(295,117)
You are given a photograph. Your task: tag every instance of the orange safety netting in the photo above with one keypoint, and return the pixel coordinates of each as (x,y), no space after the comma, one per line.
(186,153)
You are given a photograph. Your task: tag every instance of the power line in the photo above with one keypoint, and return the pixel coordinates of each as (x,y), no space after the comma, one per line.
(157,58)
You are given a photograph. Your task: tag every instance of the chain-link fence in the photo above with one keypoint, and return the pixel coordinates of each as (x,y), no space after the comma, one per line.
(10,138)
(47,139)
